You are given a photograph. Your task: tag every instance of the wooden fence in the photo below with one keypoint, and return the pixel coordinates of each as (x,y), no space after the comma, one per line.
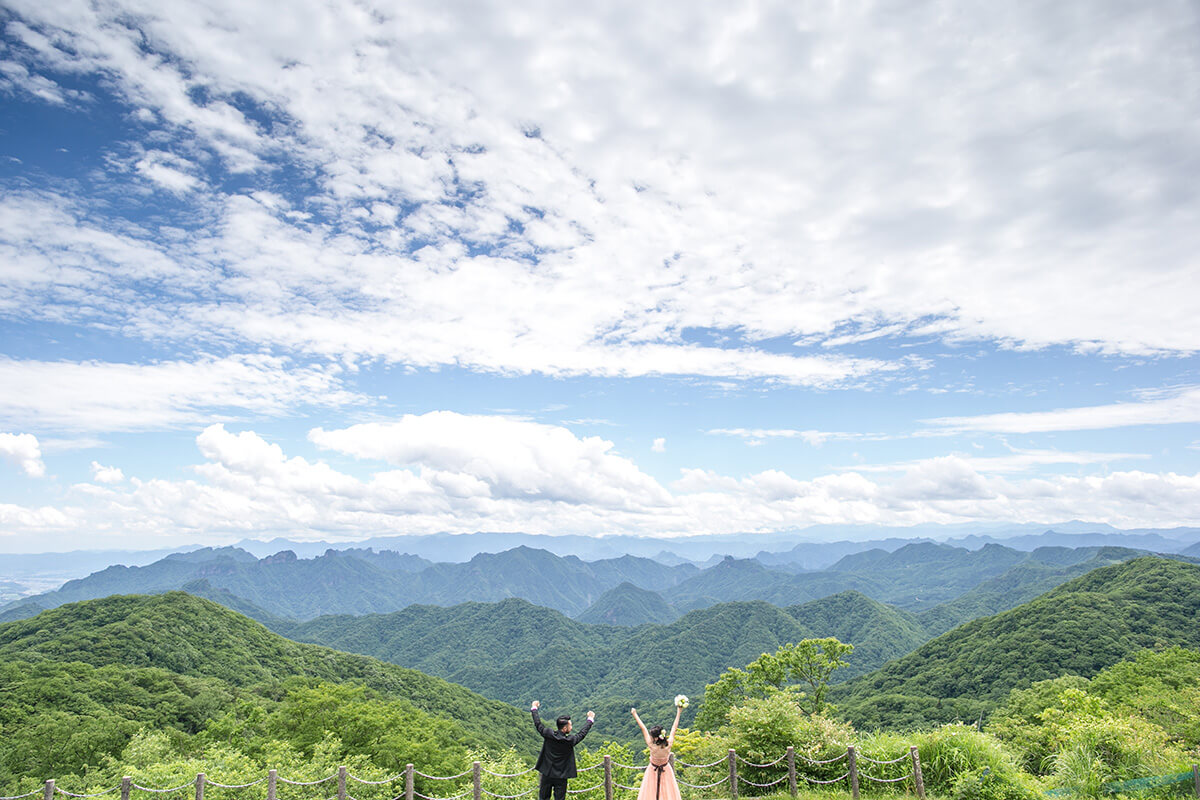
(854,777)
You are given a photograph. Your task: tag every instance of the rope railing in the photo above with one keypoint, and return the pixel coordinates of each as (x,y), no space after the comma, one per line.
(885,780)
(180,788)
(366,782)
(841,777)
(95,794)
(305,783)
(475,789)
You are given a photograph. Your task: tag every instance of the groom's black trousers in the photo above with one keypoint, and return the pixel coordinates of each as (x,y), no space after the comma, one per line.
(558,785)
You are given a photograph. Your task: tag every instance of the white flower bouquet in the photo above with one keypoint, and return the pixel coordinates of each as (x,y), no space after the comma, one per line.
(681,700)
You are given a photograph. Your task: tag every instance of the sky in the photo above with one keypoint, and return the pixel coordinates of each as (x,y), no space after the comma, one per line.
(330,271)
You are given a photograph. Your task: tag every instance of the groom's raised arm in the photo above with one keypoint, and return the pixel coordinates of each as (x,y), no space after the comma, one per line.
(537,720)
(587,726)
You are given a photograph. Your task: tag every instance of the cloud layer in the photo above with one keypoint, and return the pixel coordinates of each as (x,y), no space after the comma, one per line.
(551,190)
(544,479)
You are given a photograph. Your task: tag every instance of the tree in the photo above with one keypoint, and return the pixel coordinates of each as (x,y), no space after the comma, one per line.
(803,669)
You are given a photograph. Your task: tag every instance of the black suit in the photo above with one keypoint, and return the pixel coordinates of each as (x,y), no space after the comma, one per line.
(556,762)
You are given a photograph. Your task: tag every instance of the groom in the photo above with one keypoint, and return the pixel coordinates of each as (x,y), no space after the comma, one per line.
(556,762)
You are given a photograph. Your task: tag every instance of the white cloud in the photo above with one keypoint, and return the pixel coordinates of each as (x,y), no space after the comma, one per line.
(1159,408)
(106,396)
(103,474)
(167,171)
(847,186)
(516,459)
(1019,460)
(815,438)
(659,445)
(249,486)
(22,449)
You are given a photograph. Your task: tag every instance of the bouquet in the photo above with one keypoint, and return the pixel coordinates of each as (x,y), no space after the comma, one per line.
(681,701)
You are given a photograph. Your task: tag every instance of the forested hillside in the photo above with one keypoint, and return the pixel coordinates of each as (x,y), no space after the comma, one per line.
(201,641)
(629,606)
(1078,628)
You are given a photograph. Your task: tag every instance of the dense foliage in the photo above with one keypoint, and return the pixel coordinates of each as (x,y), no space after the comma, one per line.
(1080,687)
(1079,628)
(140,658)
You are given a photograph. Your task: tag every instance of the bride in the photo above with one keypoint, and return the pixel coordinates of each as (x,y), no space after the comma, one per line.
(659,781)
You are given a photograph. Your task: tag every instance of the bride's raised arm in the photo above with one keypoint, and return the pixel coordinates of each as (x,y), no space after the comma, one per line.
(642,725)
(675,725)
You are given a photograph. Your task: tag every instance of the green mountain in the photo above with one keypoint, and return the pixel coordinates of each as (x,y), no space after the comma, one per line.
(364,582)
(515,651)
(628,606)
(1046,568)
(196,638)
(878,632)
(1077,628)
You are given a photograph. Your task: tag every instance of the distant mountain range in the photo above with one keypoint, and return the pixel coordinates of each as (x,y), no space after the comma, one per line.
(918,577)
(514,651)
(363,581)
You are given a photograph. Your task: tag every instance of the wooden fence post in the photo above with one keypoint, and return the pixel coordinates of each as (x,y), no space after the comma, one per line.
(341,790)
(1196,778)
(733,788)
(791,762)
(272,780)
(49,791)
(126,786)
(852,762)
(200,786)
(608,786)
(917,778)
(408,782)
(477,779)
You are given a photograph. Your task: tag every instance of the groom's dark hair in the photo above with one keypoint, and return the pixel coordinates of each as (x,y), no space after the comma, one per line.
(562,721)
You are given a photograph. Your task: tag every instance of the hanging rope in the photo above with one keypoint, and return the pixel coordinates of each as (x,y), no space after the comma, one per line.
(374,783)
(841,777)
(496,774)
(704,785)
(97,794)
(208,782)
(307,783)
(509,796)
(141,788)
(861,757)
(826,761)
(440,778)
(762,785)
(761,766)
(885,780)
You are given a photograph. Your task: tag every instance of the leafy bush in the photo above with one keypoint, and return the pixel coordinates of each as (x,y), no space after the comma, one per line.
(1098,749)
(953,750)
(983,784)
(761,730)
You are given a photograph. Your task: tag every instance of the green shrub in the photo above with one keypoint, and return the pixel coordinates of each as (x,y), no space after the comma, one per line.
(954,750)
(983,784)
(762,729)
(1100,749)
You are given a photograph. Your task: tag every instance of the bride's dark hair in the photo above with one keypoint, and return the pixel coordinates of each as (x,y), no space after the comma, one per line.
(658,735)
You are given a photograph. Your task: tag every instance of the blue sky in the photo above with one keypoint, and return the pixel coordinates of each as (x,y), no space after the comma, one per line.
(664,270)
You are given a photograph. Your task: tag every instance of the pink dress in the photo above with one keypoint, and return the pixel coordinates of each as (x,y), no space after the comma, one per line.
(659,781)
